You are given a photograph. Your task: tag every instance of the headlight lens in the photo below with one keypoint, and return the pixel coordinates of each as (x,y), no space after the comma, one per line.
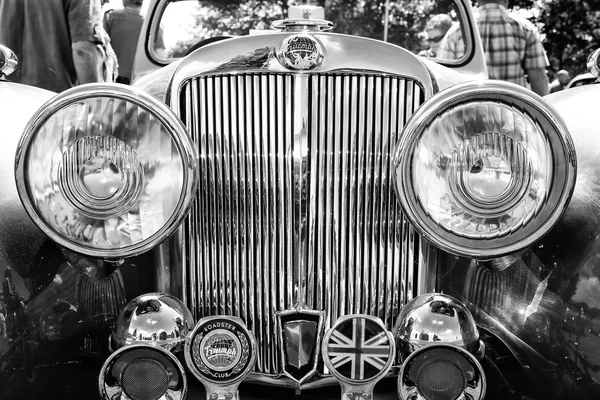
(106,170)
(485,169)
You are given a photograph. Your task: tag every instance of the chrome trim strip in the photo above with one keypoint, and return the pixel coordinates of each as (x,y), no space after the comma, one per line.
(300,155)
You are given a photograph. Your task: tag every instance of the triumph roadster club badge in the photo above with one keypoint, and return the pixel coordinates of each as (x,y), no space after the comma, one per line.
(300,52)
(220,352)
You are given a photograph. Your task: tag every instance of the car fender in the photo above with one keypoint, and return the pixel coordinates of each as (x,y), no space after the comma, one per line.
(21,238)
(581,221)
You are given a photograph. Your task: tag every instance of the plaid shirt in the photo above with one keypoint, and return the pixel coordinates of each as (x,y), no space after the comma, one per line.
(511,43)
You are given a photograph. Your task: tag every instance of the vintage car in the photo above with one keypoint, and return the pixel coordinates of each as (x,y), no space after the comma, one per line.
(302,214)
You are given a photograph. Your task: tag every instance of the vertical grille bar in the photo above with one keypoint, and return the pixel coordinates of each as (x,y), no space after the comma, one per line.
(296,202)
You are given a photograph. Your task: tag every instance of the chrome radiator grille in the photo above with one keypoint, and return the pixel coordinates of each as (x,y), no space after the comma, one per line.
(296,205)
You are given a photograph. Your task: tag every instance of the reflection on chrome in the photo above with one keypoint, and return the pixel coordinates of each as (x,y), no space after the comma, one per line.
(155,318)
(434,318)
(101,177)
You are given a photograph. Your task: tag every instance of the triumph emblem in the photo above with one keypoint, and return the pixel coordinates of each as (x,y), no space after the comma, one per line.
(220,352)
(300,52)
(358,351)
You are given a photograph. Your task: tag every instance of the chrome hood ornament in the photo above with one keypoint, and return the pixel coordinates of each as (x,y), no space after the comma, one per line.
(220,352)
(304,18)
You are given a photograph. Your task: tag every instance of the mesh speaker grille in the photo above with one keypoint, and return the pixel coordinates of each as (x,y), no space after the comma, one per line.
(440,379)
(145,379)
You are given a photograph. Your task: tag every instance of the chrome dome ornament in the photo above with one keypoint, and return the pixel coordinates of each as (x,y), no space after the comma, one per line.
(154,318)
(300,52)
(220,352)
(434,318)
(359,352)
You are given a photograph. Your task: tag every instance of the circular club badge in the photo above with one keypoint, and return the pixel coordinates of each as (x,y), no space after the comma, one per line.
(220,350)
(300,52)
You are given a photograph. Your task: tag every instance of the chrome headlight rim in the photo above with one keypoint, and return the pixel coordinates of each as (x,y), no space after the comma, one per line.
(161,112)
(507,94)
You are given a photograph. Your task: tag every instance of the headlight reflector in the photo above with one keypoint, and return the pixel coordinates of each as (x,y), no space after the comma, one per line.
(484,169)
(106,170)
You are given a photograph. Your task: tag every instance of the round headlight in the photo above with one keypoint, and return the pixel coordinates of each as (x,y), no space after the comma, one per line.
(106,170)
(485,169)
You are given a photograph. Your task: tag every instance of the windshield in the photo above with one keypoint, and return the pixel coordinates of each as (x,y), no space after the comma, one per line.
(418,26)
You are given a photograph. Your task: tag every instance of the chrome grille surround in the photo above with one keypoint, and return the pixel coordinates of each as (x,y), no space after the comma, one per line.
(296,196)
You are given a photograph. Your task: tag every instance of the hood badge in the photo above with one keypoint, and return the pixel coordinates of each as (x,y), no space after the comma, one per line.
(300,52)
(300,333)
(220,352)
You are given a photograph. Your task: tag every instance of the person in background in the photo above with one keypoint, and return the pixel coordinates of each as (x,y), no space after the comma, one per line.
(58,42)
(562,78)
(513,49)
(123,27)
(436,29)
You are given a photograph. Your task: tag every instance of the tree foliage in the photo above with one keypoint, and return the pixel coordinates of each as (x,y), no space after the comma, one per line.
(571,30)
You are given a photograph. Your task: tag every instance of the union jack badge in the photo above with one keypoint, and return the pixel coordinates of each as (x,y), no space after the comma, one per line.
(358,351)
(220,352)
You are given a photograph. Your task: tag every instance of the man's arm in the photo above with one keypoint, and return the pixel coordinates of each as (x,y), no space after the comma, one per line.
(87,60)
(538,80)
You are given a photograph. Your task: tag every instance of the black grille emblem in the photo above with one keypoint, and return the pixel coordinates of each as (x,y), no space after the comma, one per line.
(300,338)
